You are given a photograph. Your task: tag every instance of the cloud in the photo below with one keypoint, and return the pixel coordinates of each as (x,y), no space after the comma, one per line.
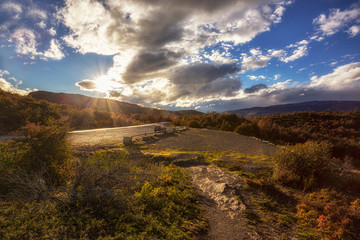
(200,73)
(277,76)
(54,52)
(11,7)
(5,84)
(26,45)
(107,28)
(37,14)
(343,76)
(257,59)
(87,85)
(25,40)
(353,30)
(153,47)
(252,77)
(255,88)
(30,30)
(146,62)
(336,20)
(300,51)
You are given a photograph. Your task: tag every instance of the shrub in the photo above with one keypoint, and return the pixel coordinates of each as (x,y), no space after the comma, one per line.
(110,197)
(34,163)
(329,216)
(247,129)
(305,165)
(46,147)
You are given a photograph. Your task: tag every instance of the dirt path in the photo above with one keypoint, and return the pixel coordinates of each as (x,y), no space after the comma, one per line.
(221,200)
(221,193)
(211,140)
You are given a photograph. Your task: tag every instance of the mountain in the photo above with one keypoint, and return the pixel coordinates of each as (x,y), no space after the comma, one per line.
(314,106)
(81,101)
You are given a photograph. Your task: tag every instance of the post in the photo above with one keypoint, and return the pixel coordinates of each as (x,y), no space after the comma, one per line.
(127,140)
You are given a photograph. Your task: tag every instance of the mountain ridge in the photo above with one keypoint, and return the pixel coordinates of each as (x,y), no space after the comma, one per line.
(82,101)
(311,106)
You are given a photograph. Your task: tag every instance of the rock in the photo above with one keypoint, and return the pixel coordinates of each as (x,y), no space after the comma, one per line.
(222,187)
(198,161)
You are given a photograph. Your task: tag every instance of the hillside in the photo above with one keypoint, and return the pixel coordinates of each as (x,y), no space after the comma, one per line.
(79,112)
(314,106)
(81,101)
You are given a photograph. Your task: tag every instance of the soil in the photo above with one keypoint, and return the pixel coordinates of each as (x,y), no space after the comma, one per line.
(211,140)
(221,193)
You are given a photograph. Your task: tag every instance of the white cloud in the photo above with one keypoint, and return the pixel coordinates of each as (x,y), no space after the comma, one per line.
(300,52)
(255,78)
(11,7)
(220,57)
(41,25)
(54,52)
(37,14)
(353,30)
(7,86)
(257,59)
(343,76)
(26,45)
(169,47)
(25,40)
(190,25)
(336,20)
(277,76)
(4,72)
(52,31)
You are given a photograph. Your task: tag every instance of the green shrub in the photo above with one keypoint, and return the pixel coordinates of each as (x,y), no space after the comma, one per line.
(34,163)
(305,165)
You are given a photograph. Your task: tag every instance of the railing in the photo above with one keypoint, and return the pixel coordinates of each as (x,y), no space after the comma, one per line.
(129,140)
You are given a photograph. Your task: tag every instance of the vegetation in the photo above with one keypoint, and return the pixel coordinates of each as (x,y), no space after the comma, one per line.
(340,129)
(48,191)
(17,111)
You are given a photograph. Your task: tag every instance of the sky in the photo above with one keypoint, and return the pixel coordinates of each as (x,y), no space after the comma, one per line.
(207,55)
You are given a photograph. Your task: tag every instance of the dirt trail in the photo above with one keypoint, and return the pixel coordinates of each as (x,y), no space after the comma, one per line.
(221,192)
(211,140)
(220,196)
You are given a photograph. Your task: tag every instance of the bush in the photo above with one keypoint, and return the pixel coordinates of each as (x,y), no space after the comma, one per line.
(328,215)
(34,163)
(305,165)
(108,196)
(46,147)
(247,129)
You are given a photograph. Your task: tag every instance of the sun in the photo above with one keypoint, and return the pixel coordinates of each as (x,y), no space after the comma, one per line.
(104,84)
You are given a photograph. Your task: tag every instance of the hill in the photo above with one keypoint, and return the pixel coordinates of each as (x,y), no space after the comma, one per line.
(314,106)
(111,105)
(81,101)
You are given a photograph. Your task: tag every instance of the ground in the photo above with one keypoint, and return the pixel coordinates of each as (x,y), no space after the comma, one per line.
(228,170)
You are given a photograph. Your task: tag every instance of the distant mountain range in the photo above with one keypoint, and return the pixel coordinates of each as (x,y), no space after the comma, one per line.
(314,106)
(81,101)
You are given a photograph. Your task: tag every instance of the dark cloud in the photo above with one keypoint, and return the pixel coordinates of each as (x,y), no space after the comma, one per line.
(222,87)
(149,62)
(284,96)
(199,5)
(86,85)
(201,73)
(114,93)
(255,88)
